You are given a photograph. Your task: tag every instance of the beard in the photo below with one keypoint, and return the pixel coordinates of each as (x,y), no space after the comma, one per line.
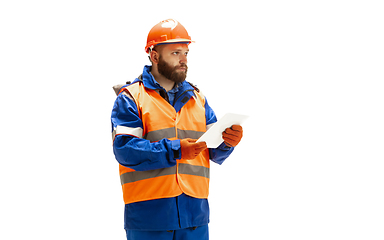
(170,72)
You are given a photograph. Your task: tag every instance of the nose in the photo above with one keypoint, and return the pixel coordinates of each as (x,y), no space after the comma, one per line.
(183,59)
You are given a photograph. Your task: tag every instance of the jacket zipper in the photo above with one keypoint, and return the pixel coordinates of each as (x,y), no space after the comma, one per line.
(174,101)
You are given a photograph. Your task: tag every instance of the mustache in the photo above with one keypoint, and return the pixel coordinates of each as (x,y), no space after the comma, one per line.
(183,65)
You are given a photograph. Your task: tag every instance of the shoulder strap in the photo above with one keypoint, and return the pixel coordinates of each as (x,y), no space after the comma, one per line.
(118,88)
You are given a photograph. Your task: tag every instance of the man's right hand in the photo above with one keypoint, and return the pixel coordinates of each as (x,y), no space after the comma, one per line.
(190,149)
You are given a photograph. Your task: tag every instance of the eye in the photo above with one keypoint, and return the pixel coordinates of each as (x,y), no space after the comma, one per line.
(175,53)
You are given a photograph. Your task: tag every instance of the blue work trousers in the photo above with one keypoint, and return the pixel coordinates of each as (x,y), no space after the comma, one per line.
(199,233)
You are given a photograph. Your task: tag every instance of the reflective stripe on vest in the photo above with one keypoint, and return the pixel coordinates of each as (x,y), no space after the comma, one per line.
(130,177)
(157,135)
(160,120)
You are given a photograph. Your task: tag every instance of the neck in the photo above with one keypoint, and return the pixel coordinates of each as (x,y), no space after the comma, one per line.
(163,81)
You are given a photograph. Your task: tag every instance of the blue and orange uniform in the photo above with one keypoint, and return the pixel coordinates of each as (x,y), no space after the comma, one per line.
(162,191)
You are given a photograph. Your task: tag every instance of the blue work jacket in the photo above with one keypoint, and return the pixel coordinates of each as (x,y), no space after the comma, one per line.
(174,213)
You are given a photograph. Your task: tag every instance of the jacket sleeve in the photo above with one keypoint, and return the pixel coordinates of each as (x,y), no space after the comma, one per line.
(219,154)
(130,149)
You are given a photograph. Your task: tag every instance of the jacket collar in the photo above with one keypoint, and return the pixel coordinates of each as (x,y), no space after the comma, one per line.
(148,79)
(184,93)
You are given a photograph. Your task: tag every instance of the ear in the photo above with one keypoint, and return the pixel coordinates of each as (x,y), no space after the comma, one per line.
(154,56)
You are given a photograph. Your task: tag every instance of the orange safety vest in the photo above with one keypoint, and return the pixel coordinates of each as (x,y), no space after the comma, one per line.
(160,120)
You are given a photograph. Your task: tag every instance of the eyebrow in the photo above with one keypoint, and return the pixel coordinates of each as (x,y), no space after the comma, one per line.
(179,49)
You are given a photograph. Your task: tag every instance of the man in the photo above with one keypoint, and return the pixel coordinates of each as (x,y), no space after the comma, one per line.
(156,121)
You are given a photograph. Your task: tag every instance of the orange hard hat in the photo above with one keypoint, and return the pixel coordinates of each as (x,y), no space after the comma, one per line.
(167,31)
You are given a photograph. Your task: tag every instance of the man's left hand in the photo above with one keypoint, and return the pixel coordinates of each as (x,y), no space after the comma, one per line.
(233,135)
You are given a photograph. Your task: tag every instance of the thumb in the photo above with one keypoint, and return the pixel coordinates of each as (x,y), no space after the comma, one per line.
(201,145)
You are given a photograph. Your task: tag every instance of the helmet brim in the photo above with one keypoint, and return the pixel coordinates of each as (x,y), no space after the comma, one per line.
(171,41)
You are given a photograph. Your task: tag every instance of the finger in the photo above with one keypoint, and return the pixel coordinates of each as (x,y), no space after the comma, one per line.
(228,131)
(201,144)
(231,136)
(198,150)
(231,141)
(232,132)
(202,148)
(190,140)
(237,128)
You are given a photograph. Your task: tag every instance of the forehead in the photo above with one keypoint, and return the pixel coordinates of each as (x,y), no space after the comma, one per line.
(175,46)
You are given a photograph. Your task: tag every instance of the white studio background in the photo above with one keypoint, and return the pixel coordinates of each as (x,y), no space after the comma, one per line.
(309,73)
